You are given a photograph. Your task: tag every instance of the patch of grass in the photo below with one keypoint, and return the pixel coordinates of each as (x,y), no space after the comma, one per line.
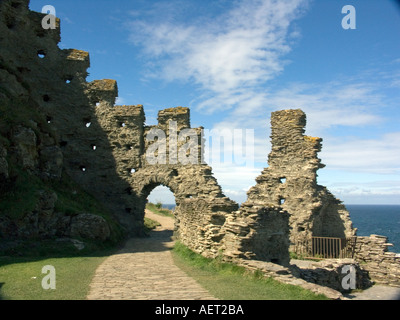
(21,276)
(157,209)
(150,224)
(227,281)
(22,280)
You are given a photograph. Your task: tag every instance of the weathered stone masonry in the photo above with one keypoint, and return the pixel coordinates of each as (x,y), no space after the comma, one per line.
(290,181)
(53,81)
(99,145)
(103,148)
(373,255)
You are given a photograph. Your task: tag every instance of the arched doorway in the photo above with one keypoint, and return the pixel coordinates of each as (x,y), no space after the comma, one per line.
(162,195)
(159,209)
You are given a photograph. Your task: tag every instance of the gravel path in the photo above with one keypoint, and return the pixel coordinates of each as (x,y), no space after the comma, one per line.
(376,292)
(144,270)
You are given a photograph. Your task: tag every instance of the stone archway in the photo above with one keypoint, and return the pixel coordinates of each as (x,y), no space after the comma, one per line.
(188,184)
(163,196)
(155,211)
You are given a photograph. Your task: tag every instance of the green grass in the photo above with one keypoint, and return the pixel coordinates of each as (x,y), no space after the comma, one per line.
(21,276)
(22,280)
(150,224)
(157,209)
(227,281)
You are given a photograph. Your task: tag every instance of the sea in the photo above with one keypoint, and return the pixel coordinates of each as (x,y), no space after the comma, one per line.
(383,220)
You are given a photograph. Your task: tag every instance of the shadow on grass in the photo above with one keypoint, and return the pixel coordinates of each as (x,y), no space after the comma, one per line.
(21,264)
(21,251)
(21,269)
(1,296)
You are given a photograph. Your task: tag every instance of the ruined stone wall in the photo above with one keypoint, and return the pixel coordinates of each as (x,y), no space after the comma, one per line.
(257,233)
(290,181)
(105,149)
(53,82)
(101,146)
(373,255)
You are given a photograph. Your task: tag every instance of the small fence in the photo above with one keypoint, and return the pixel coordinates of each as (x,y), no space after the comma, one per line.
(326,247)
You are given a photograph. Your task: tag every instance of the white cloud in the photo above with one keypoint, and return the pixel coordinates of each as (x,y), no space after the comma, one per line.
(379,156)
(161,194)
(228,56)
(236,180)
(370,192)
(336,103)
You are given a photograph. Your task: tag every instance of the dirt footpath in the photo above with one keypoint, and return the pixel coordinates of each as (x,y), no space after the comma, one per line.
(144,270)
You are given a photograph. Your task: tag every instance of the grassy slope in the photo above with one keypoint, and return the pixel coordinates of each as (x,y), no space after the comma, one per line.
(229,282)
(157,209)
(21,265)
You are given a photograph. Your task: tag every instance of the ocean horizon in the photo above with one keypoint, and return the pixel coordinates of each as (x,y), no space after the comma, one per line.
(383,220)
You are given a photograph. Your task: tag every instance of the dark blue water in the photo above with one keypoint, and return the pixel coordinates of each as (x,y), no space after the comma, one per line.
(383,220)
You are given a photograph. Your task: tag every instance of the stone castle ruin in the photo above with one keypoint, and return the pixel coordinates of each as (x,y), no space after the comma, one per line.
(103,147)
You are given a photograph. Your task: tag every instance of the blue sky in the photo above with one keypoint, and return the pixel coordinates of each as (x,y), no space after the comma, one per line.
(234,62)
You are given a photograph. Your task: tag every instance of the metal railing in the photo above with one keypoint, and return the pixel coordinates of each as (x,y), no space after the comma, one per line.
(326,247)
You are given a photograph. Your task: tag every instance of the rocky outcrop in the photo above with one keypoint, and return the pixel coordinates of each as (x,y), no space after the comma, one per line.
(333,273)
(290,275)
(4,175)
(89,226)
(25,142)
(45,222)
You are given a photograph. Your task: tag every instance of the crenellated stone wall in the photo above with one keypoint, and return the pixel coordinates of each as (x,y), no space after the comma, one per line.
(102,147)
